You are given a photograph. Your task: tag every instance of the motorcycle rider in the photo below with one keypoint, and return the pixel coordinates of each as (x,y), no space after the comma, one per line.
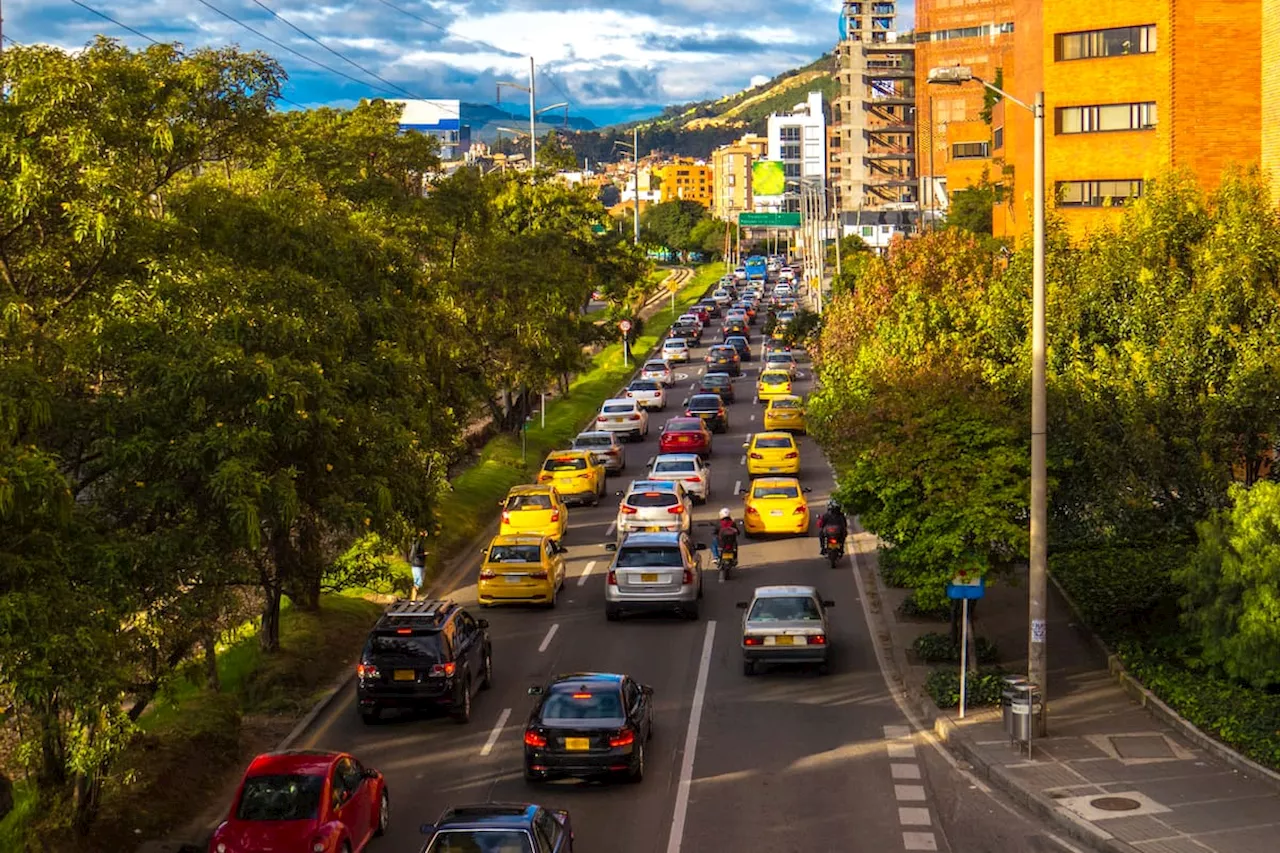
(832,523)
(726,534)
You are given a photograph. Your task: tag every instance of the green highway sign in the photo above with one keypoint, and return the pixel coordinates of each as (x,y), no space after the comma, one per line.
(769,220)
(598,228)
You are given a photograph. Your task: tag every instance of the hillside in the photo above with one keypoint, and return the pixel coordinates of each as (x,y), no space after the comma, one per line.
(485,119)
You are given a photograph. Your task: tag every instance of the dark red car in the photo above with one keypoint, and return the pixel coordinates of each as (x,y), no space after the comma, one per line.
(305,802)
(685,435)
(704,316)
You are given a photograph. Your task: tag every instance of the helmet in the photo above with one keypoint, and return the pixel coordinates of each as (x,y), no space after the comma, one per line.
(724,513)
(833,505)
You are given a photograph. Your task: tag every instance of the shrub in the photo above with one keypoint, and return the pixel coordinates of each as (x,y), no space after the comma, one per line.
(1124,591)
(939,648)
(913,607)
(892,572)
(981,688)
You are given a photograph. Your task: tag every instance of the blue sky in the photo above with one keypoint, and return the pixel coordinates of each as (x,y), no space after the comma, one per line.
(612,60)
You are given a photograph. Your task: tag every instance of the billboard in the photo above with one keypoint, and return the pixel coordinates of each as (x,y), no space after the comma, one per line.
(768,178)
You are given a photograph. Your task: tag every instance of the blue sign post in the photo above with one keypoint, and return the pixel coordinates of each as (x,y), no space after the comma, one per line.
(966,587)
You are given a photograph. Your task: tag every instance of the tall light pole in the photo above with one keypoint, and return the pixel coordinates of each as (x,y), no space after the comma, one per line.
(533,113)
(1038,574)
(634,146)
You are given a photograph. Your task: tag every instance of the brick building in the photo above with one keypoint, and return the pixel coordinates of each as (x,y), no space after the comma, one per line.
(685,180)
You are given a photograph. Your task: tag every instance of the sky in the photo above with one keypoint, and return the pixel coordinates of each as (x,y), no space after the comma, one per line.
(612,60)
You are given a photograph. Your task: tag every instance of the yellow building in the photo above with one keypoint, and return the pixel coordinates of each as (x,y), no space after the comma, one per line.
(1271,93)
(685,181)
(731,180)
(1132,88)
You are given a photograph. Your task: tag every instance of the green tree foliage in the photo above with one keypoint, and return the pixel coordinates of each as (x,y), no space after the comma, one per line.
(971,209)
(671,224)
(553,154)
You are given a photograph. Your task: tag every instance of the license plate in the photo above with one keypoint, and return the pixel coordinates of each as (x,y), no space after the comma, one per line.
(616,420)
(776,512)
(577,744)
(653,528)
(404,675)
(512,578)
(783,641)
(649,577)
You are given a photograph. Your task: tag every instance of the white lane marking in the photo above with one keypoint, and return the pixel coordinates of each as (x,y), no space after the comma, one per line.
(743,460)
(586,572)
(908,816)
(608,531)
(899,771)
(895,732)
(546,641)
(497,731)
(909,793)
(753,417)
(902,750)
(737,487)
(691,742)
(919,841)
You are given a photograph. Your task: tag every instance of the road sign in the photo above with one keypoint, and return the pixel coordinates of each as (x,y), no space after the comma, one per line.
(625,325)
(673,284)
(966,587)
(769,220)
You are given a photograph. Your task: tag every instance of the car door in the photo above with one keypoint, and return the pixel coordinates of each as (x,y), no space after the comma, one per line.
(548,834)
(637,707)
(466,651)
(553,562)
(346,804)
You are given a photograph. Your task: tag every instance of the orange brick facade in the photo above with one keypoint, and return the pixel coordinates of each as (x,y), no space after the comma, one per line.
(1180,88)
(1271,93)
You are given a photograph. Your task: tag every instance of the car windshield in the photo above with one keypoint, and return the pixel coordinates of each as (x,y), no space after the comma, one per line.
(774,378)
(425,646)
(683,425)
(775,492)
(280,797)
(518,502)
(569,704)
(774,441)
(619,408)
(515,554)
(643,385)
(714,382)
(652,499)
(799,608)
(481,841)
(675,466)
(737,340)
(648,556)
(565,463)
(785,404)
(675,343)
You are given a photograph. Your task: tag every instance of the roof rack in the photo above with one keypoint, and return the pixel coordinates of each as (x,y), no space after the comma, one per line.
(426,608)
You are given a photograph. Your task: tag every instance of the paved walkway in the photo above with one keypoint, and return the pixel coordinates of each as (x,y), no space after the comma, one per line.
(1109,773)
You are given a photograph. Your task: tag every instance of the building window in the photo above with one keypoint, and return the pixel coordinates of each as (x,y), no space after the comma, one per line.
(1120,41)
(791,133)
(1098,193)
(1107,117)
(791,152)
(970,151)
(791,170)
(997,138)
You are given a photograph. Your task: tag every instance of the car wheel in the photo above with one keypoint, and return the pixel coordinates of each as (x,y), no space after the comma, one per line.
(824,668)
(369,716)
(487,676)
(555,592)
(384,814)
(462,710)
(636,774)
(612,614)
(748,668)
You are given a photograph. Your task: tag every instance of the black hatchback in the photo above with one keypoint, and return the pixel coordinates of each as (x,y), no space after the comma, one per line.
(424,654)
(523,827)
(717,383)
(709,407)
(588,724)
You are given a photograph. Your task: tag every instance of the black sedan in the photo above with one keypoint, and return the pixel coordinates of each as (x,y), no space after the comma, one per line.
(500,827)
(588,725)
(717,383)
(709,407)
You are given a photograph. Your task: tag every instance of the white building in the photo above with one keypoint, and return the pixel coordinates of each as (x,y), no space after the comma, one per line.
(798,140)
(441,119)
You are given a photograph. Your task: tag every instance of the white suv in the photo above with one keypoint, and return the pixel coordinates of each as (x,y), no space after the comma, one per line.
(658,371)
(653,506)
(648,393)
(687,469)
(676,350)
(623,416)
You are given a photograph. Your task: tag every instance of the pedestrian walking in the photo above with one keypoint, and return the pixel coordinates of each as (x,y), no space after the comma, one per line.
(418,563)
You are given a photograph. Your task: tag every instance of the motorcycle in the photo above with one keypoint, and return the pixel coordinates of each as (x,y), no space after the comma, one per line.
(728,560)
(833,546)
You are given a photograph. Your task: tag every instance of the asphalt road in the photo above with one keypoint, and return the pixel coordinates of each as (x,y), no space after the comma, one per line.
(784,761)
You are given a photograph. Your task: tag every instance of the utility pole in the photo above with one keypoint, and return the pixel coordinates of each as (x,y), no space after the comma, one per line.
(635,153)
(533,121)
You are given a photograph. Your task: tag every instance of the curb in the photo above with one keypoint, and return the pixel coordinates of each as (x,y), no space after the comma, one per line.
(1158,708)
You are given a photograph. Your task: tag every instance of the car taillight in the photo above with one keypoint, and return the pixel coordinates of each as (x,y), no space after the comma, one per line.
(752,511)
(817,639)
(545,478)
(693,479)
(625,737)
(678,509)
(757,456)
(753,641)
(487,574)
(506,517)
(633,417)
(541,576)
(555,515)
(444,670)
(534,739)
(792,455)
(800,510)
(612,580)
(367,670)
(602,418)
(688,577)
(629,510)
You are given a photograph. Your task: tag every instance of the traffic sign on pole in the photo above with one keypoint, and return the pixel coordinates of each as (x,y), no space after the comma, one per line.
(625,326)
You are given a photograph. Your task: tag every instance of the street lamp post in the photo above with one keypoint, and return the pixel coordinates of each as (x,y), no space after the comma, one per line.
(1038,576)
(634,146)
(533,113)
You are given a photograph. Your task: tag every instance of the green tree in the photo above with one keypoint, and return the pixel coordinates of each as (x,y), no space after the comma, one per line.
(671,224)
(971,209)
(708,237)
(553,154)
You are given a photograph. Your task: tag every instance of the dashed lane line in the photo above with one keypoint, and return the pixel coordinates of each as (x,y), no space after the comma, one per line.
(676,838)
(497,731)
(551,632)
(902,753)
(586,573)
(737,487)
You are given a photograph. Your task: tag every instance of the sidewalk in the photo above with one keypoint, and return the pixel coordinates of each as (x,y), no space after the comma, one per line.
(1109,774)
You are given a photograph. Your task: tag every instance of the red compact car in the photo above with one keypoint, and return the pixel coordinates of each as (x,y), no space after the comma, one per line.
(685,435)
(304,802)
(704,316)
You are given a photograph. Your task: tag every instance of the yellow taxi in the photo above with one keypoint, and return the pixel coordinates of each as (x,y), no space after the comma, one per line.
(772,453)
(535,510)
(578,475)
(775,505)
(773,383)
(521,569)
(785,413)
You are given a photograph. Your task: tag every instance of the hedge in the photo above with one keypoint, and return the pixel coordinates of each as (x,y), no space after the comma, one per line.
(981,688)
(940,648)
(1124,592)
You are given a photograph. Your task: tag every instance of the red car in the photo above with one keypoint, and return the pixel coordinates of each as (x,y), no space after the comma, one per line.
(685,435)
(704,316)
(304,802)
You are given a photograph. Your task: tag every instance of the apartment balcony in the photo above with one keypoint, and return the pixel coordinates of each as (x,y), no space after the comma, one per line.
(885,156)
(888,101)
(895,73)
(887,182)
(891,128)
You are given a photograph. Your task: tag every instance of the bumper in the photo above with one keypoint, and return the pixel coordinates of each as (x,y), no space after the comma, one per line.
(649,527)
(558,764)
(555,531)
(572,490)
(784,525)
(756,467)
(500,592)
(683,602)
(786,654)
(407,696)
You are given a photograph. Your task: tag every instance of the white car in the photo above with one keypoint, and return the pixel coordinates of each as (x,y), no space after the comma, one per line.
(654,506)
(625,416)
(722,297)
(648,393)
(687,469)
(659,371)
(676,351)
(782,289)
(781,361)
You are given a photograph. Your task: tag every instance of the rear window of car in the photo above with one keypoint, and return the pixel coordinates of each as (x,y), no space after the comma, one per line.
(675,343)
(656,365)
(775,441)
(585,705)
(280,797)
(646,500)
(518,502)
(648,556)
(515,554)
(619,408)
(683,425)
(643,385)
(734,340)
(775,492)
(481,841)
(565,463)
(704,401)
(674,466)
(591,442)
(774,378)
(785,404)
(426,647)
(800,608)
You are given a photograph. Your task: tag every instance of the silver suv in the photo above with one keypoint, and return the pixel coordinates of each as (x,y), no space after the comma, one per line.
(651,506)
(654,571)
(605,445)
(785,624)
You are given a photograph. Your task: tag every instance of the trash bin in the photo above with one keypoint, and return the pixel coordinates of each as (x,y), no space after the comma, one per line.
(1025,708)
(1011,682)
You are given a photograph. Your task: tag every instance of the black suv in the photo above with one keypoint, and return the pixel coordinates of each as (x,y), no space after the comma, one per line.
(424,654)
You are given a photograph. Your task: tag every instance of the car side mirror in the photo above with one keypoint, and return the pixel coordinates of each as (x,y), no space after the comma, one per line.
(828,604)
(369,773)
(483,623)
(807,490)
(745,445)
(426,828)
(646,689)
(617,494)
(536,690)
(742,605)
(611,546)
(701,546)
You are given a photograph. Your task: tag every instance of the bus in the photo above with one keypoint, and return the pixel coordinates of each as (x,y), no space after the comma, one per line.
(756,269)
